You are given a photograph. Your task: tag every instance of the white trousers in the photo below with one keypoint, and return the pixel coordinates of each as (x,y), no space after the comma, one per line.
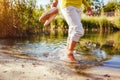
(73,17)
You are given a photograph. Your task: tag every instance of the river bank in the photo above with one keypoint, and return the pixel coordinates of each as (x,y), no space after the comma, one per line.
(12,68)
(29,59)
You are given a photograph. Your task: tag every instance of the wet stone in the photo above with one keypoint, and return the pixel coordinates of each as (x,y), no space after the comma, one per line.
(106,75)
(4,71)
(23,66)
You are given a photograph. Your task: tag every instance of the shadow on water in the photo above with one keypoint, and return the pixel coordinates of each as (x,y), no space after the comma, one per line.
(92,49)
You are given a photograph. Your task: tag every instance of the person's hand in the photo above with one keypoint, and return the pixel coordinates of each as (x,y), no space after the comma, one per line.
(89,9)
(54,4)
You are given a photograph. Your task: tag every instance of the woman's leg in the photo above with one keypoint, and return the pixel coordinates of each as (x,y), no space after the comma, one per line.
(76,30)
(71,47)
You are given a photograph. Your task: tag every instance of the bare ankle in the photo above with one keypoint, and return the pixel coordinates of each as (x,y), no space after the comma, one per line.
(71,56)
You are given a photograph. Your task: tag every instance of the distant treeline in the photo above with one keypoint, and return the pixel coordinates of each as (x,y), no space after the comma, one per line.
(19,18)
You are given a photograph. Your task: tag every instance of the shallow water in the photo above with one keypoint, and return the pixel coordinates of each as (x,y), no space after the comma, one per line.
(92,47)
(114,62)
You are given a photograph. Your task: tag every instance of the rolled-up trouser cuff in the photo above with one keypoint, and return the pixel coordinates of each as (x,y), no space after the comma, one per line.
(73,18)
(78,32)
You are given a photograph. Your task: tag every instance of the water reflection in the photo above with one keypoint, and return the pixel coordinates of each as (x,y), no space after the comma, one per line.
(92,43)
(110,43)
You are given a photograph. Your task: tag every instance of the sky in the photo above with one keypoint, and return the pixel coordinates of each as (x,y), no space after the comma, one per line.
(44,2)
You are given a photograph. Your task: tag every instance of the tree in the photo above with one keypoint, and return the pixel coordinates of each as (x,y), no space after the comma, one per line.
(96,6)
(111,6)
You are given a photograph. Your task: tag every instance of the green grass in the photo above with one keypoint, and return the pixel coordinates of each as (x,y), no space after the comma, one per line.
(117,21)
(99,23)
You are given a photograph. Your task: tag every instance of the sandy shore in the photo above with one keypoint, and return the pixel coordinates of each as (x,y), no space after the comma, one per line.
(12,68)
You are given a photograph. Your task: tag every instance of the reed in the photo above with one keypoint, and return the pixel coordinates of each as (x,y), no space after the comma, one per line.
(117,21)
(90,23)
(19,18)
(99,23)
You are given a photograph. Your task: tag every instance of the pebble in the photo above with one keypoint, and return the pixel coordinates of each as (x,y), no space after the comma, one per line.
(106,75)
